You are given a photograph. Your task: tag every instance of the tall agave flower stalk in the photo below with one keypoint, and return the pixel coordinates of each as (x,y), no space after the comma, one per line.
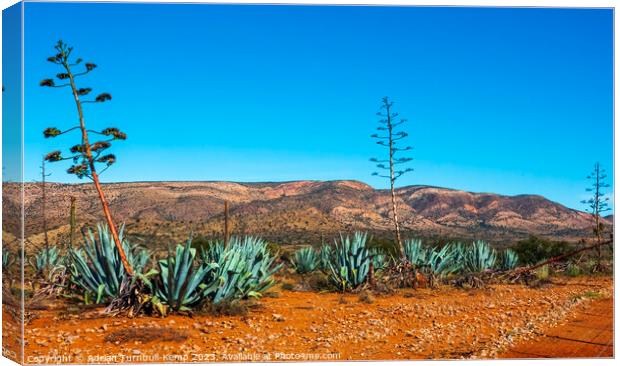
(87,156)
(392,165)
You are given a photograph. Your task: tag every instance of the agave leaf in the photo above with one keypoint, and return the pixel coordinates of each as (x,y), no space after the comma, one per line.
(100,292)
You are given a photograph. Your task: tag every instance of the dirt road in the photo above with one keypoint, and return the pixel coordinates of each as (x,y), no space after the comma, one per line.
(588,332)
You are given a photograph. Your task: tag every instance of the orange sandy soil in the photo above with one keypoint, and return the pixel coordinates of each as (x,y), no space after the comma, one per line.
(446,323)
(588,332)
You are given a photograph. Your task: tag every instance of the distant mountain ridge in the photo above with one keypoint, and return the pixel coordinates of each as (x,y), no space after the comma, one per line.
(304,211)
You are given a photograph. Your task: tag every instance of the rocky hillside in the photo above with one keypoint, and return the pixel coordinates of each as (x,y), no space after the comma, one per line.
(297,212)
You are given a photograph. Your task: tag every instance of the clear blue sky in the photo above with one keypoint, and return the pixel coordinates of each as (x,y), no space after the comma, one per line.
(498,100)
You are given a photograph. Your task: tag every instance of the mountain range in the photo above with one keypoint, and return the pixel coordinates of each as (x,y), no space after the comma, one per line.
(297,212)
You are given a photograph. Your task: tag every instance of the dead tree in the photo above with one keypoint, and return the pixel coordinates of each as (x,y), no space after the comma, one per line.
(44,216)
(85,155)
(226,225)
(390,138)
(72,225)
(518,272)
(596,205)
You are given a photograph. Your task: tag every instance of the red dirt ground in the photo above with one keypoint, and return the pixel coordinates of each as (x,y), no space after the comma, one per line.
(500,321)
(589,332)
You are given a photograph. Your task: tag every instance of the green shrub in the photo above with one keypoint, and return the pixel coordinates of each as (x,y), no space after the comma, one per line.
(287,286)
(534,250)
(573,270)
(386,246)
(592,294)
(319,281)
(226,308)
(200,243)
(542,273)
(274,248)
(366,297)
(590,266)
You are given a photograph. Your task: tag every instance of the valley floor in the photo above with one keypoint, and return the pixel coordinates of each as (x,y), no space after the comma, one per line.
(500,321)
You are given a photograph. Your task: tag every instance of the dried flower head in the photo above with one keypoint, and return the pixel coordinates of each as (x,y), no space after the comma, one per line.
(103,97)
(90,66)
(77,149)
(100,145)
(62,76)
(53,156)
(80,170)
(51,132)
(115,132)
(109,159)
(47,82)
(84,91)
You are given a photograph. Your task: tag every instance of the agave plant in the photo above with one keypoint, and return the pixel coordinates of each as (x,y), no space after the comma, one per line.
(181,280)
(325,257)
(444,261)
(96,266)
(46,260)
(380,260)
(305,260)
(478,257)
(213,252)
(415,253)
(350,263)
(8,259)
(510,259)
(245,269)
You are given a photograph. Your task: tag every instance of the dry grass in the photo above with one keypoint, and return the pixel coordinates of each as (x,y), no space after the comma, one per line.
(366,297)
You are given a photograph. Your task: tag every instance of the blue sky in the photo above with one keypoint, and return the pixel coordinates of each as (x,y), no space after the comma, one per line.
(11,97)
(499,100)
